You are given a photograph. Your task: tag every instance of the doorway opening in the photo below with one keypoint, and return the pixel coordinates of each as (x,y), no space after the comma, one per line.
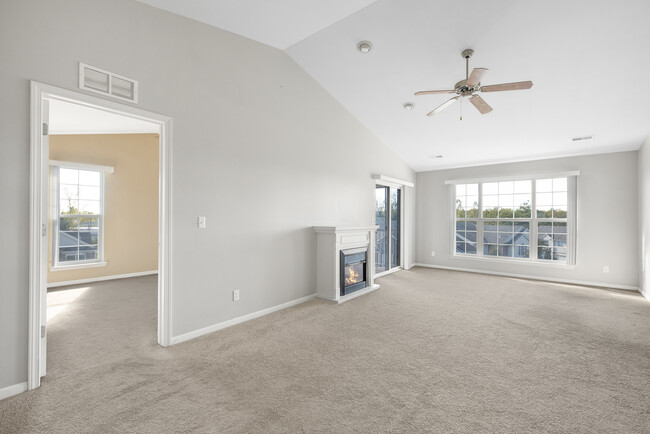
(388,239)
(68,215)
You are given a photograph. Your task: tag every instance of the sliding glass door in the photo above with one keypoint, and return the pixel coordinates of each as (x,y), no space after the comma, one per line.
(388,216)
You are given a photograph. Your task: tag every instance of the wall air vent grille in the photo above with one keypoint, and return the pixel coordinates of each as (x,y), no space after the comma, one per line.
(107,83)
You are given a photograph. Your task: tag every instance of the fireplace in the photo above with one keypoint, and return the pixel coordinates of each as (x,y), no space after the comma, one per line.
(353,270)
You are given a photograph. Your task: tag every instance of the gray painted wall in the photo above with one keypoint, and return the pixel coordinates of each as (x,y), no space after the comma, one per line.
(607,218)
(259,148)
(644,218)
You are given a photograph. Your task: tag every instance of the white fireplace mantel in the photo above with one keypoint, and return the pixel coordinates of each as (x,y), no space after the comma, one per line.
(330,240)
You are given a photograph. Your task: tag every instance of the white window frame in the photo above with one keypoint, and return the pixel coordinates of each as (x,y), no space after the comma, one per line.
(56,213)
(571,220)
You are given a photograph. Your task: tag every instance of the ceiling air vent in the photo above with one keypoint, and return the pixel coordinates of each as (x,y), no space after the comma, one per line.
(577,139)
(107,83)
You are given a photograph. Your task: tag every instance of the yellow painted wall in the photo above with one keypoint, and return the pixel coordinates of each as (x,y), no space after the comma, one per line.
(130,200)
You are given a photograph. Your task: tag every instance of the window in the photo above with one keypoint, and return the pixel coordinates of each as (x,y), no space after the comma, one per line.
(515,219)
(77,216)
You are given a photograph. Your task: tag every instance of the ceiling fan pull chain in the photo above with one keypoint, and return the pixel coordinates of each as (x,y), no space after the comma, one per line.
(461,109)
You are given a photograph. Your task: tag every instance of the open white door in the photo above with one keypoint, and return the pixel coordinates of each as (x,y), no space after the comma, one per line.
(45,197)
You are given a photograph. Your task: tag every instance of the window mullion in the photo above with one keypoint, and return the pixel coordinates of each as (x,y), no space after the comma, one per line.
(479,222)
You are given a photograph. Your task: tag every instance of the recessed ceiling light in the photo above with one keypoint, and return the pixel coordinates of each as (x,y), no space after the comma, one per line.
(364,46)
(409,106)
(577,139)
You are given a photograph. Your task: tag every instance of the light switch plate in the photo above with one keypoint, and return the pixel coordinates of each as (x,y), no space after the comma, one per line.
(201,222)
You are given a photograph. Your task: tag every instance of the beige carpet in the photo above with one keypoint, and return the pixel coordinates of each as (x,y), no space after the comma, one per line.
(431,351)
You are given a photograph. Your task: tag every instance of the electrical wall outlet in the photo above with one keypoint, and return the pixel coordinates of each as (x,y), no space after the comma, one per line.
(201,222)
(433,253)
(605,268)
(235,295)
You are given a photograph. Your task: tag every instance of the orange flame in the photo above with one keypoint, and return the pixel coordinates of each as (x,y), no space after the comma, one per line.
(351,276)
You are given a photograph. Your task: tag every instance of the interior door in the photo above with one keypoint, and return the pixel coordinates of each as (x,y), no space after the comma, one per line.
(45,204)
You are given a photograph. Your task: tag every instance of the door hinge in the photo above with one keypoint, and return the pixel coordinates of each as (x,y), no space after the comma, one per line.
(44,230)
(46,129)
(42,332)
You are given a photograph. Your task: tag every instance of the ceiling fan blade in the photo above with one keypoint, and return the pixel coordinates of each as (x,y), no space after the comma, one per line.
(476,76)
(520,85)
(443,106)
(480,104)
(433,92)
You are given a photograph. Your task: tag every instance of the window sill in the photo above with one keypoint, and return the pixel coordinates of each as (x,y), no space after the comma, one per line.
(513,261)
(387,272)
(78,266)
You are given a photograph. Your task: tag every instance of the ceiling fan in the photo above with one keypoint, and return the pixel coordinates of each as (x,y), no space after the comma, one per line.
(470,86)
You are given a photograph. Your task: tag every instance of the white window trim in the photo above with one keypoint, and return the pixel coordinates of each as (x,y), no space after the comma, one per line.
(571,221)
(55,201)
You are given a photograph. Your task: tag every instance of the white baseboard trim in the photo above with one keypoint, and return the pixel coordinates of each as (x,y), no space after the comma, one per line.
(10,391)
(231,322)
(99,279)
(645,293)
(527,276)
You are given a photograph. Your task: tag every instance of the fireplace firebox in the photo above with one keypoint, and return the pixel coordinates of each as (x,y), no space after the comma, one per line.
(353,270)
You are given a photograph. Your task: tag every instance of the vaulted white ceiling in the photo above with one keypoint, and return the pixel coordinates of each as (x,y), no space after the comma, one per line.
(587,58)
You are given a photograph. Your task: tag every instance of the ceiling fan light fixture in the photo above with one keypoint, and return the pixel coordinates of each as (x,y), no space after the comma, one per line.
(364,47)
(408,106)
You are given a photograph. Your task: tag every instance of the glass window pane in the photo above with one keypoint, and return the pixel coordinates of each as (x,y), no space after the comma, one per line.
(89,207)
(490,201)
(472,201)
(559,184)
(545,227)
(505,226)
(490,249)
(544,212)
(559,227)
(544,252)
(460,226)
(91,193)
(490,237)
(471,236)
(461,189)
(506,187)
(490,188)
(472,189)
(544,185)
(68,223)
(460,247)
(470,248)
(523,187)
(559,253)
(505,238)
(68,254)
(88,237)
(544,239)
(471,226)
(522,238)
(68,191)
(88,222)
(395,223)
(491,213)
(69,206)
(68,176)
(506,200)
(522,251)
(67,239)
(381,237)
(490,226)
(521,227)
(460,212)
(460,236)
(559,198)
(87,253)
(559,212)
(544,199)
(505,250)
(505,213)
(88,177)
(559,240)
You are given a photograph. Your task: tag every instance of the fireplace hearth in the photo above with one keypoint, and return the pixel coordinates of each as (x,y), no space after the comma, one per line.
(353,270)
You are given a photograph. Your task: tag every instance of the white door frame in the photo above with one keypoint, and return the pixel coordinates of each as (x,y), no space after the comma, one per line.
(39,165)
